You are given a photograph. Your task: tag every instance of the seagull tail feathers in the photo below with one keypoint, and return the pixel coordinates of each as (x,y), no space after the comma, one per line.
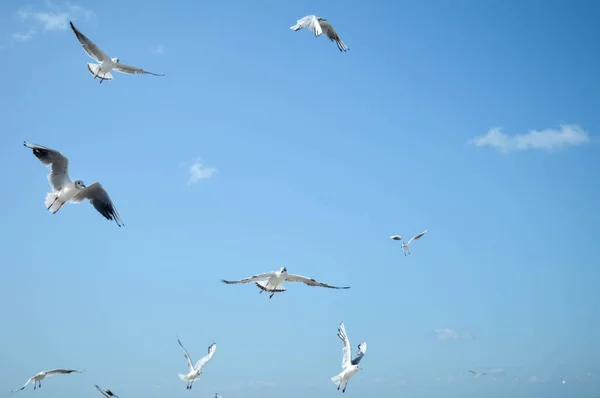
(94,70)
(52,202)
(336,380)
(183,377)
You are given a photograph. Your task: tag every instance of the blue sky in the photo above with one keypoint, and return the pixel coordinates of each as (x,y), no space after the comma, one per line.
(264,147)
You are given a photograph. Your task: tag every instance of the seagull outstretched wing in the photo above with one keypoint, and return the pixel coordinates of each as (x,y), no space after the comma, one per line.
(346,349)
(312,282)
(131,70)
(100,200)
(250,279)
(59,164)
(89,46)
(362,350)
(187,356)
(333,35)
(417,237)
(204,360)
(310,22)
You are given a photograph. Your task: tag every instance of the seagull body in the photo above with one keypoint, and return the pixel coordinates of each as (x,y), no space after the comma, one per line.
(37,379)
(318,26)
(349,367)
(405,245)
(477,374)
(195,371)
(105,64)
(106,393)
(274,281)
(64,190)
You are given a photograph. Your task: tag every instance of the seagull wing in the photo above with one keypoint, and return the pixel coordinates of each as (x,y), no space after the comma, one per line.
(24,385)
(90,48)
(61,372)
(59,172)
(333,36)
(187,356)
(396,237)
(250,279)
(204,360)
(310,22)
(130,70)
(362,350)
(107,393)
(417,237)
(311,282)
(346,350)
(100,200)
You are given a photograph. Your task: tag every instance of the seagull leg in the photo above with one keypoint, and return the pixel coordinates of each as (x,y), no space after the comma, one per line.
(55,199)
(271,296)
(61,205)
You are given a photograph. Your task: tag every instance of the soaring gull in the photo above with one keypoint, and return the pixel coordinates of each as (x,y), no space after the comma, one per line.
(405,245)
(195,371)
(64,190)
(349,367)
(319,25)
(102,69)
(275,279)
(477,374)
(37,379)
(106,393)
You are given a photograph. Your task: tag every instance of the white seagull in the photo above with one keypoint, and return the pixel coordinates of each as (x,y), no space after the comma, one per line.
(405,245)
(64,190)
(275,279)
(102,69)
(195,371)
(477,374)
(349,367)
(106,393)
(37,379)
(318,26)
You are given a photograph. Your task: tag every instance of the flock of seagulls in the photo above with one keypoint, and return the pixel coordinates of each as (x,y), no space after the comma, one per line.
(64,190)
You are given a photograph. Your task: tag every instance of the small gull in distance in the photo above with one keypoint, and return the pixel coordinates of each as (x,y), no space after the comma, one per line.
(37,379)
(275,279)
(106,393)
(318,26)
(477,374)
(64,190)
(106,64)
(349,367)
(195,371)
(405,245)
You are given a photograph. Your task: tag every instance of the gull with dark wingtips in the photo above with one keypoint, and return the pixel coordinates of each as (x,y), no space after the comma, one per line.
(405,245)
(37,379)
(64,190)
(349,366)
(274,281)
(318,26)
(106,393)
(195,371)
(102,70)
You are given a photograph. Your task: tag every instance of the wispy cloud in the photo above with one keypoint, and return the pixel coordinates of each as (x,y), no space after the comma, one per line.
(51,17)
(453,334)
(159,49)
(198,171)
(547,140)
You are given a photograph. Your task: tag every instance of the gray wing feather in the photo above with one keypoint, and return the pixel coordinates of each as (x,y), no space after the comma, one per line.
(362,350)
(333,36)
(312,282)
(59,173)
(24,385)
(100,200)
(204,360)
(250,279)
(90,48)
(131,70)
(62,372)
(187,356)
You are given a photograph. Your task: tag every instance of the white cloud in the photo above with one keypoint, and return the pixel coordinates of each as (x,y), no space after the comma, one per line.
(159,49)
(453,334)
(198,171)
(548,139)
(51,17)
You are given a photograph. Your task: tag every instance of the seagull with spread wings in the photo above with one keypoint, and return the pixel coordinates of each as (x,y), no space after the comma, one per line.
(105,64)
(106,393)
(318,26)
(405,245)
(37,379)
(195,371)
(274,281)
(477,374)
(64,190)
(349,367)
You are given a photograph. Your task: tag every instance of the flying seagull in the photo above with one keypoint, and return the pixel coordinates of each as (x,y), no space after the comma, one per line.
(477,374)
(107,393)
(102,69)
(64,190)
(37,379)
(195,371)
(349,367)
(405,245)
(319,25)
(217,395)
(275,280)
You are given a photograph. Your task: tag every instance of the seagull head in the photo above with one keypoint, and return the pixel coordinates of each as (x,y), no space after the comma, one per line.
(115,60)
(357,367)
(283,269)
(321,19)
(79,184)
